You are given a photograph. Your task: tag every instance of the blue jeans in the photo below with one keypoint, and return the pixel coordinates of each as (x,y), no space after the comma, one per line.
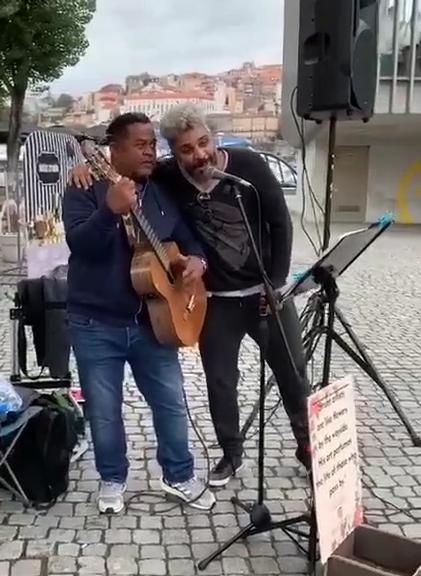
(101,353)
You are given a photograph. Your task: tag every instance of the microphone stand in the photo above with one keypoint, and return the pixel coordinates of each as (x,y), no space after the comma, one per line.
(260,516)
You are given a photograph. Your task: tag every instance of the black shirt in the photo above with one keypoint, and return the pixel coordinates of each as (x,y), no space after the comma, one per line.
(219,225)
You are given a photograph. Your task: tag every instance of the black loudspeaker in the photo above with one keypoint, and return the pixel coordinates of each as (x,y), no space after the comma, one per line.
(337,59)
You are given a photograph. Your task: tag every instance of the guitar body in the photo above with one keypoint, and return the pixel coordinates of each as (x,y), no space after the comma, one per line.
(176,315)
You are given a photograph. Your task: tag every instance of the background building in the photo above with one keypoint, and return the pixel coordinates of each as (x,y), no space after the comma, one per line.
(156,104)
(378,165)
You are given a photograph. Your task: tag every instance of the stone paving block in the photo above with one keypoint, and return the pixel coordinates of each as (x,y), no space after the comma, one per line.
(235,566)
(118,536)
(26,568)
(88,536)
(94,550)
(153,567)
(47,521)
(124,550)
(293,565)
(181,567)
(264,566)
(62,564)
(175,537)
(69,550)
(40,548)
(57,535)
(151,522)
(8,533)
(122,566)
(201,535)
(153,551)
(182,550)
(72,523)
(91,565)
(11,550)
(146,536)
(21,519)
(128,522)
(175,522)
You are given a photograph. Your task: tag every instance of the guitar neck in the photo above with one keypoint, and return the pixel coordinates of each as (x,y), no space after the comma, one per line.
(152,239)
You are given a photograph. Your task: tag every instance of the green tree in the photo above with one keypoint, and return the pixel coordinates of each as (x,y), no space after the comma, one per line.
(38,40)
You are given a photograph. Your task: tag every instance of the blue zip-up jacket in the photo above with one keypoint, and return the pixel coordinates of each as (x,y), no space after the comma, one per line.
(99,284)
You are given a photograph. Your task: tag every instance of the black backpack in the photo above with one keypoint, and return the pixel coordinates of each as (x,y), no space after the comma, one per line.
(41,457)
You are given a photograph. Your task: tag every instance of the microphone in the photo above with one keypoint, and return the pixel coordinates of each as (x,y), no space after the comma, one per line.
(216,174)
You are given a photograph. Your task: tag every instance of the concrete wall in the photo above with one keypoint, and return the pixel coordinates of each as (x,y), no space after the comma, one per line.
(316,163)
(394,182)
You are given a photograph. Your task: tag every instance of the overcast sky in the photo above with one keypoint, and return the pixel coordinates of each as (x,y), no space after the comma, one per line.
(161,36)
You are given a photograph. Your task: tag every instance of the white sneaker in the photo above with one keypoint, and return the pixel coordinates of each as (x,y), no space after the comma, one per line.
(111,497)
(194,492)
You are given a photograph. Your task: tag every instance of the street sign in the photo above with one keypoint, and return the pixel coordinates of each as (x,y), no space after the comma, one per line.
(48,168)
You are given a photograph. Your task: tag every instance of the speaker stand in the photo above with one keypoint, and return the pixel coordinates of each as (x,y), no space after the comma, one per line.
(329,183)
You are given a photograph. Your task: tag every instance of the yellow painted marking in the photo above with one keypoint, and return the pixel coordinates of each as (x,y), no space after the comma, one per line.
(404,213)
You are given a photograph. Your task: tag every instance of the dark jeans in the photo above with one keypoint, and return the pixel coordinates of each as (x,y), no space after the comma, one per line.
(228,320)
(101,353)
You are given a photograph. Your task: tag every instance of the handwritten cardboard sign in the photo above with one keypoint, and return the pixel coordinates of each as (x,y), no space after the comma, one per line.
(335,464)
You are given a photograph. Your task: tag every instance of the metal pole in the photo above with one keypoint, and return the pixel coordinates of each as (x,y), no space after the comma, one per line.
(329,183)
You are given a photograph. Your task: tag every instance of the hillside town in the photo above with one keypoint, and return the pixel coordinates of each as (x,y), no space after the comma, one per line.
(243,101)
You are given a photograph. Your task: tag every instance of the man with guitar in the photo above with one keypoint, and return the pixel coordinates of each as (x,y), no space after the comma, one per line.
(233,278)
(109,326)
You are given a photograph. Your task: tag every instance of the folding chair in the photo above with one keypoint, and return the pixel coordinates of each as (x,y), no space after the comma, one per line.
(16,427)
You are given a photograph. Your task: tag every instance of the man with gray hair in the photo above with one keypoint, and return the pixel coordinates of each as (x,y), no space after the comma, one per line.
(232,277)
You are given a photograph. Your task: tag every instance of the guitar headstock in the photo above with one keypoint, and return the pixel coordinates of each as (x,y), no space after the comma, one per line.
(98,163)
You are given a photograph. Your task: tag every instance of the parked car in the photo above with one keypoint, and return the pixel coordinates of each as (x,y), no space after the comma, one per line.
(285,173)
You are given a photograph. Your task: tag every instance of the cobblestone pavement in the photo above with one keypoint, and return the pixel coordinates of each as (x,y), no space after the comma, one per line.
(382,298)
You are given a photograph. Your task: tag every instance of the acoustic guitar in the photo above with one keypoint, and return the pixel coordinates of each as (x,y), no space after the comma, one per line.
(177,313)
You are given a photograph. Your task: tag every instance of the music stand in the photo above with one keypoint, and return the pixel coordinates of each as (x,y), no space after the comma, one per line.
(323,274)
